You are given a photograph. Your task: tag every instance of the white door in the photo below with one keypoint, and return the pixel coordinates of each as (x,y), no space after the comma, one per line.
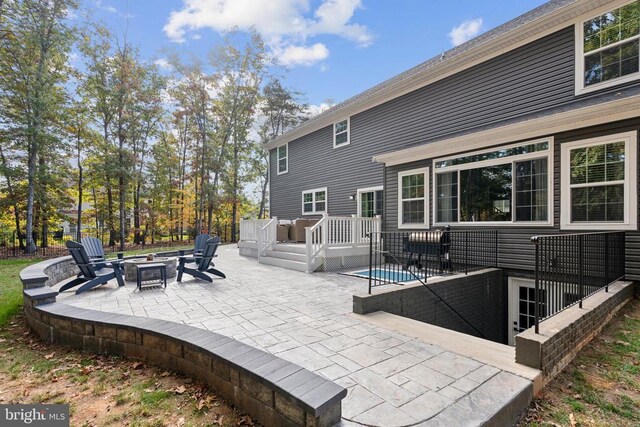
(522,306)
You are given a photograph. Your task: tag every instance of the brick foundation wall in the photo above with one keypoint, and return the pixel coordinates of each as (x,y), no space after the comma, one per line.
(563,335)
(479,297)
(274,391)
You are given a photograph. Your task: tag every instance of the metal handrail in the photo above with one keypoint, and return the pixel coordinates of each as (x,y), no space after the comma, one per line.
(571,267)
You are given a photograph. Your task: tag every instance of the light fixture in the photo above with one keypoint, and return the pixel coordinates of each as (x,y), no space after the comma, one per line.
(352,196)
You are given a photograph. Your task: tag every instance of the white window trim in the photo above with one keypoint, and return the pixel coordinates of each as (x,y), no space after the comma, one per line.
(348,131)
(285,158)
(365,190)
(511,159)
(630,185)
(313,192)
(579,52)
(424,171)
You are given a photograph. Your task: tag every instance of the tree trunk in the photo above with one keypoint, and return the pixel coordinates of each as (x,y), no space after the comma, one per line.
(95,205)
(12,197)
(137,238)
(123,219)
(80,190)
(263,197)
(111,220)
(30,246)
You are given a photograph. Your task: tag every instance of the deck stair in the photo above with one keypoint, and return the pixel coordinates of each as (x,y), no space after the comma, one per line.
(289,256)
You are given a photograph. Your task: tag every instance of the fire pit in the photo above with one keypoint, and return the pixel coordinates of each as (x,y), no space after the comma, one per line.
(130,268)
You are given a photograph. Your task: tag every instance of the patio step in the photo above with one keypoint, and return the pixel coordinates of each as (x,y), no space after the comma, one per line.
(292,256)
(284,263)
(298,248)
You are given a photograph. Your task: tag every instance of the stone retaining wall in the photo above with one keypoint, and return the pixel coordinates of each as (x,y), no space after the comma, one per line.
(564,334)
(274,391)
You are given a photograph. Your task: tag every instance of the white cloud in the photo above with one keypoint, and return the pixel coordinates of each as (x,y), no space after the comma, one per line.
(162,63)
(314,110)
(107,7)
(196,37)
(285,25)
(302,55)
(465,31)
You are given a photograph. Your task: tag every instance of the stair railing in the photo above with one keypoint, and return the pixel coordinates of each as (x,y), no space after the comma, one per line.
(267,237)
(316,237)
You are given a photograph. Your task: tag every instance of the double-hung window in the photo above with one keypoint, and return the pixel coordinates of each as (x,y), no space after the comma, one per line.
(341,133)
(607,48)
(283,159)
(599,188)
(507,185)
(314,201)
(413,191)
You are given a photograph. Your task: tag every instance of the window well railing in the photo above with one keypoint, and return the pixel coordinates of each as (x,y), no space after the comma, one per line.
(571,267)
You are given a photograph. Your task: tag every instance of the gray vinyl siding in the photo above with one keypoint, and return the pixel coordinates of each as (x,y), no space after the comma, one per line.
(528,79)
(342,171)
(515,250)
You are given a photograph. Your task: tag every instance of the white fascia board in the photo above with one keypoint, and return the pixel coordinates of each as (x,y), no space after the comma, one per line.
(451,65)
(544,126)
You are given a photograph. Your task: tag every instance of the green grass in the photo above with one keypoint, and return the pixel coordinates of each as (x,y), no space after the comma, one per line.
(601,387)
(11,287)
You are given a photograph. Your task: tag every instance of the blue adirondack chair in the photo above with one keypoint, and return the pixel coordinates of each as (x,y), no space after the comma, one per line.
(91,274)
(94,248)
(198,247)
(204,262)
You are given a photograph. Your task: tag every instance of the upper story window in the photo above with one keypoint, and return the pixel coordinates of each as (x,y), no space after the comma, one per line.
(413,191)
(341,133)
(599,183)
(508,185)
(314,201)
(283,159)
(608,49)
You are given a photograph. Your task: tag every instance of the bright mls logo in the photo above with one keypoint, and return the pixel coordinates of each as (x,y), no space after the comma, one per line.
(34,415)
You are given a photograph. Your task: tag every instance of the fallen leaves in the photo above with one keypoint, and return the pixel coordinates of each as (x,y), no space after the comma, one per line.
(572,420)
(49,356)
(218,419)
(180,389)
(245,420)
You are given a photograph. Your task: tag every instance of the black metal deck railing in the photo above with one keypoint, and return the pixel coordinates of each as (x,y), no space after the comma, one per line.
(400,257)
(571,267)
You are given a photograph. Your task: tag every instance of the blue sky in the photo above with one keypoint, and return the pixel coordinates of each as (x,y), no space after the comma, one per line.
(333,49)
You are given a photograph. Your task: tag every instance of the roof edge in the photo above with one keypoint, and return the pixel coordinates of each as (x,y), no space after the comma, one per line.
(538,23)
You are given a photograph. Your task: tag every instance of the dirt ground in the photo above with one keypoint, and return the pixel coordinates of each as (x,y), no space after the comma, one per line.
(601,387)
(104,391)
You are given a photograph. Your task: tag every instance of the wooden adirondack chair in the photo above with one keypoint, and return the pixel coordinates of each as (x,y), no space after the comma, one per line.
(204,262)
(198,247)
(94,248)
(92,274)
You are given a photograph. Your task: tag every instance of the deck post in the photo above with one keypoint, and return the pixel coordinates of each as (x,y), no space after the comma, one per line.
(537,287)
(580,267)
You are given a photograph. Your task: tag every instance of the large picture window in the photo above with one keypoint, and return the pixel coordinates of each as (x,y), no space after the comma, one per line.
(314,201)
(608,48)
(413,191)
(599,183)
(509,185)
